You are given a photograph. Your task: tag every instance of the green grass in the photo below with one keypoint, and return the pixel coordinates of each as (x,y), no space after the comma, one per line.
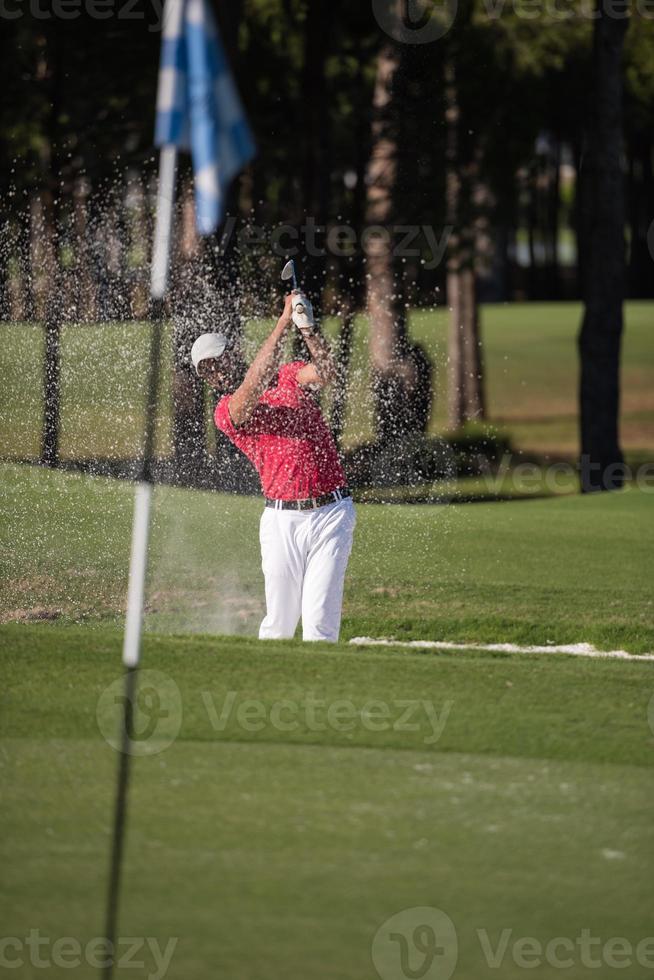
(103,390)
(531,369)
(562,570)
(531,380)
(516,795)
(281,853)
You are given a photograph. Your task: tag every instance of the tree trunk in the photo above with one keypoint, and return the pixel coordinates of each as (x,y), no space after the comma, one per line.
(351,270)
(553,196)
(5,251)
(577,218)
(473,379)
(84,287)
(532,224)
(53,315)
(190,319)
(27,269)
(400,371)
(52,381)
(342,357)
(316,138)
(603,219)
(140,239)
(54,301)
(465,390)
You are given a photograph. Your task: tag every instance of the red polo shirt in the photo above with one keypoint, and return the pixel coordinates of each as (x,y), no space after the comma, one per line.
(287,440)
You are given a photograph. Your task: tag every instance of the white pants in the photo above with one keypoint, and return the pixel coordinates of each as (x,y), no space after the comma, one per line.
(304,555)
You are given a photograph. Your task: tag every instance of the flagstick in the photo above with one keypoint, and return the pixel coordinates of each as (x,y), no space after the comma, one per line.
(163,230)
(120,816)
(140,535)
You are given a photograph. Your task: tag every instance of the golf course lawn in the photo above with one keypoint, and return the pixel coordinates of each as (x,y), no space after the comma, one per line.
(298,808)
(531,381)
(288,799)
(561,570)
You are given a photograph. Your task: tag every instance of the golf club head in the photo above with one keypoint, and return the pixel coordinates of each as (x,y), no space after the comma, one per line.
(288,272)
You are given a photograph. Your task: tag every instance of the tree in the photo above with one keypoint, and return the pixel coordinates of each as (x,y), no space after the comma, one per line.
(54,302)
(465,383)
(316,163)
(401,373)
(603,222)
(639,130)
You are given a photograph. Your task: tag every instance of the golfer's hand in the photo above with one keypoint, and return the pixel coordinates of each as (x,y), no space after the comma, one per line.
(302,312)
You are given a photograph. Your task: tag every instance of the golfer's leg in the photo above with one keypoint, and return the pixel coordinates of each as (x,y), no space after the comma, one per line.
(324,577)
(283,565)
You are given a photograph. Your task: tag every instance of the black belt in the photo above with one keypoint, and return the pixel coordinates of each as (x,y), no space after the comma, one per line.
(310,503)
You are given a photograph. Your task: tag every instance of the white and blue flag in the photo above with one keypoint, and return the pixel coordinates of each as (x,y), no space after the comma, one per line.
(198,106)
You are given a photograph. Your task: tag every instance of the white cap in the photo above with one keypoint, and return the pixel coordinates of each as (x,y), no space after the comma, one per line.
(208,345)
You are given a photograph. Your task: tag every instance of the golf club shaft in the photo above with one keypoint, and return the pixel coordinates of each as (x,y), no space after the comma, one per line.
(120,820)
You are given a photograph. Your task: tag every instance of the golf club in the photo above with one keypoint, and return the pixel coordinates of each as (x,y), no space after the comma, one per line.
(302,320)
(288,272)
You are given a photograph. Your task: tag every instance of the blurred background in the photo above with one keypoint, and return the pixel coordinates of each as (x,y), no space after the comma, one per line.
(444,175)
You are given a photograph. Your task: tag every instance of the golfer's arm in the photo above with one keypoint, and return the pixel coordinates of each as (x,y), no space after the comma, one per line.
(259,375)
(322,370)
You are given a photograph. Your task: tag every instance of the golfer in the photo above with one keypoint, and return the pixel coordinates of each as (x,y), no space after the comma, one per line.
(270,413)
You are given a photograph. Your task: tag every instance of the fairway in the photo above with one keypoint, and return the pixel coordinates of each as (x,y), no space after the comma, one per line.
(277,843)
